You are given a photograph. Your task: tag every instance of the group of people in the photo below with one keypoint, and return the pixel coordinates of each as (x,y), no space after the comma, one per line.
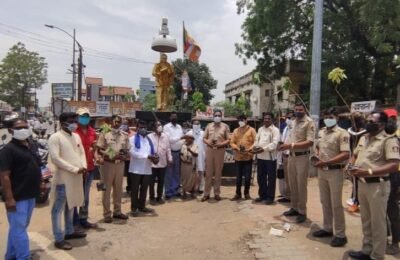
(184,163)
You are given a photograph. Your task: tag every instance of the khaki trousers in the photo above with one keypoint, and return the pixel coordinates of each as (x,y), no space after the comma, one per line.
(373,199)
(214,166)
(298,177)
(113,175)
(286,177)
(330,190)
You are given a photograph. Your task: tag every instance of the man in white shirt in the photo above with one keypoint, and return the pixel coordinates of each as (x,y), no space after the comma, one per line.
(198,135)
(267,140)
(142,156)
(162,148)
(172,176)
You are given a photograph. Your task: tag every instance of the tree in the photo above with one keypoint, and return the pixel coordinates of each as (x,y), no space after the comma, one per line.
(149,102)
(21,71)
(197,102)
(241,106)
(362,37)
(200,78)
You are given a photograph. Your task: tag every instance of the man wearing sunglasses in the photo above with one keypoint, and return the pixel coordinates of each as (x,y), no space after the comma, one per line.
(376,155)
(20,177)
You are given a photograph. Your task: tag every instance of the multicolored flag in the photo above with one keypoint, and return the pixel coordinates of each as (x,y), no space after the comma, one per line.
(191,50)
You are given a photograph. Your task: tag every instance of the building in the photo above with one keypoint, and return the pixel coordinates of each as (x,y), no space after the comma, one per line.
(146,87)
(271,95)
(96,91)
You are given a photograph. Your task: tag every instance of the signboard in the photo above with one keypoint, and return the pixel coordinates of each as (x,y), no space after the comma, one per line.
(106,108)
(209,113)
(363,106)
(103,108)
(62,90)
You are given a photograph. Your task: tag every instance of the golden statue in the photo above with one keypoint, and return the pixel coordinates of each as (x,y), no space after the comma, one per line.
(164,74)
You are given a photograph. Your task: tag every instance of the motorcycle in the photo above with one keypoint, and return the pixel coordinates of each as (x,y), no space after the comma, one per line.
(45,184)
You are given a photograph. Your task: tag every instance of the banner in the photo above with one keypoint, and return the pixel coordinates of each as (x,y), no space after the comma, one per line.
(363,106)
(209,113)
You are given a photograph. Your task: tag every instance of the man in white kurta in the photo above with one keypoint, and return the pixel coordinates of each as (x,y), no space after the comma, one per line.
(67,161)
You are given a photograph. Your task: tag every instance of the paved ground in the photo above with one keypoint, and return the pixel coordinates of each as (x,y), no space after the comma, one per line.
(195,230)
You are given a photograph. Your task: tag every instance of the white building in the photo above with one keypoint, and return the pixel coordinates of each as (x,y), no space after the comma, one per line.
(270,96)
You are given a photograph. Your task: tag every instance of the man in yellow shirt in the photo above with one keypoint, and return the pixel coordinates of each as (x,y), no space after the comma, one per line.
(242,142)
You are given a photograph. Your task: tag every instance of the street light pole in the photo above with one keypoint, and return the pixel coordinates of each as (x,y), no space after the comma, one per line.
(80,64)
(315,90)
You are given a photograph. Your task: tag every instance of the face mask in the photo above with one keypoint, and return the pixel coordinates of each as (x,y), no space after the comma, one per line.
(329,122)
(299,114)
(372,127)
(142,131)
(288,121)
(196,128)
(72,127)
(21,134)
(124,128)
(217,119)
(185,130)
(242,123)
(159,129)
(391,127)
(84,120)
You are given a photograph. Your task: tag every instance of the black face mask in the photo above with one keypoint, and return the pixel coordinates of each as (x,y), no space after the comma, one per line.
(142,131)
(371,127)
(299,114)
(391,127)
(173,120)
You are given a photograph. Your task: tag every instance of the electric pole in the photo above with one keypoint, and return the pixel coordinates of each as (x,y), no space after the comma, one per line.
(80,71)
(315,90)
(73,68)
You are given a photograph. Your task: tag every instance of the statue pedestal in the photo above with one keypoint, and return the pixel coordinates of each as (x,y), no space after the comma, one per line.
(148,116)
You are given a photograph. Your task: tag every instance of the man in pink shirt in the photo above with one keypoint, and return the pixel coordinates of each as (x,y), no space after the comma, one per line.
(162,148)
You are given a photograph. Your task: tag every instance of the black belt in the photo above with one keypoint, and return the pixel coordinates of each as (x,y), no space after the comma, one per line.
(176,151)
(374,179)
(299,153)
(335,166)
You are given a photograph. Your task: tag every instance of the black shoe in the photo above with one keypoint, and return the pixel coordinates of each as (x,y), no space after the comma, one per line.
(291,213)
(160,201)
(152,199)
(135,213)
(88,225)
(247,197)
(217,197)
(146,210)
(338,241)
(322,233)
(121,216)
(108,220)
(75,235)
(63,245)
(200,192)
(359,255)
(283,200)
(100,186)
(236,197)
(301,218)
(258,200)
(205,198)
(269,202)
(168,197)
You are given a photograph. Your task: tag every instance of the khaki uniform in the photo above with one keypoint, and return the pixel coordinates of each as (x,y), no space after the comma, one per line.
(298,164)
(332,142)
(215,157)
(188,167)
(113,170)
(373,192)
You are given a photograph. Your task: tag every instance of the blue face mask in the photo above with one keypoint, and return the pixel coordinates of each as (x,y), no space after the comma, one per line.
(83,120)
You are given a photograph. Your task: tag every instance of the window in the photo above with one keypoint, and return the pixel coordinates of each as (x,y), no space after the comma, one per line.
(267,93)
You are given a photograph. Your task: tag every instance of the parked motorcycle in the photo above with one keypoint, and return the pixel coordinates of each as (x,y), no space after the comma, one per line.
(45,185)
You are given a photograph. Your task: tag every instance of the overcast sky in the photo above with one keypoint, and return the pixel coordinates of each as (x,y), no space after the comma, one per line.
(123,29)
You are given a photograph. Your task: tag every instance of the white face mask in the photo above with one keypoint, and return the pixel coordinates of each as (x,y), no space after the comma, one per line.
(22,134)
(329,122)
(217,119)
(72,127)
(242,123)
(288,121)
(159,129)
(196,128)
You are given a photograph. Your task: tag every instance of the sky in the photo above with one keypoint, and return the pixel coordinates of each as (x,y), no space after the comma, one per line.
(116,36)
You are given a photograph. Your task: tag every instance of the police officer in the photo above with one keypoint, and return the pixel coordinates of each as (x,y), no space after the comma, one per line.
(114,147)
(376,155)
(333,149)
(300,140)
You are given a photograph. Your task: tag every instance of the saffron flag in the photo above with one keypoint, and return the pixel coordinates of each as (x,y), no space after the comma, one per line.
(191,50)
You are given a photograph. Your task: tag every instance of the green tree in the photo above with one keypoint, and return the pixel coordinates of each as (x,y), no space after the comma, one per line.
(21,71)
(362,37)
(197,102)
(200,78)
(241,106)
(149,102)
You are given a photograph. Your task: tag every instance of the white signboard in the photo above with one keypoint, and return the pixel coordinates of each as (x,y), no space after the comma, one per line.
(103,108)
(363,106)
(62,90)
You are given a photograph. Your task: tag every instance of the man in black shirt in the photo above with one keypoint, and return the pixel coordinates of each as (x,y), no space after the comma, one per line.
(20,177)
